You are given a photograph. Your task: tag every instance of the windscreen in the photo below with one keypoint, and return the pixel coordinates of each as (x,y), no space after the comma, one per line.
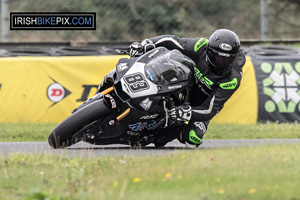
(171,67)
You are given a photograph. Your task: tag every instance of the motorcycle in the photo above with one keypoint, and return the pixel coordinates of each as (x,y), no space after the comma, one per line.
(131,104)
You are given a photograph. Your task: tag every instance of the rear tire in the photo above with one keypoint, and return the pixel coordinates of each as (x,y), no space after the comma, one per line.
(61,136)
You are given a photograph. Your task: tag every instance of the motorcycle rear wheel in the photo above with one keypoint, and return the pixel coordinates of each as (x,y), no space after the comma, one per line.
(61,135)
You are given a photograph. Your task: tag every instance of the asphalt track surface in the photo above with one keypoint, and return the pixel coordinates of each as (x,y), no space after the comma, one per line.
(82,149)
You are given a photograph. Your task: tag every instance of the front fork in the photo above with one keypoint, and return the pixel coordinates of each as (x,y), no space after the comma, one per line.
(123,114)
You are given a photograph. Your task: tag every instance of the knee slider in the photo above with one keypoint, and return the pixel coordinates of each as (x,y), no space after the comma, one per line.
(194,135)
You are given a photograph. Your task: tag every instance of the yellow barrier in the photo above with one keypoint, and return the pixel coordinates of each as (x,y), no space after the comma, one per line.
(242,107)
(47,89)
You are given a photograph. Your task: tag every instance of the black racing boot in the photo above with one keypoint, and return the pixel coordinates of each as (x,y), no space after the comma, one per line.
(165,136)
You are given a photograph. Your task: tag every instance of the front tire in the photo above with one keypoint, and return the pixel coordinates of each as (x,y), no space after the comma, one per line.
(61,136)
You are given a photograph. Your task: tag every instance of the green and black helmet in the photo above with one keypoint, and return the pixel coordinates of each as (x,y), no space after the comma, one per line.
(222,50)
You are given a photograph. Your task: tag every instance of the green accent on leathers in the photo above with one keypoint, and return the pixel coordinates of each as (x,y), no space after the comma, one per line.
(200,43)
(202,78)
(194,138)
(229,85)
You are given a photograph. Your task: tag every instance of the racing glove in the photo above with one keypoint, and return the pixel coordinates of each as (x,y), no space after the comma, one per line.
(137,49)
(181,113)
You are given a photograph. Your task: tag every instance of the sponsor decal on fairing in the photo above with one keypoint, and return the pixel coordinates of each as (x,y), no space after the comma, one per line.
(140,126)
(146,104)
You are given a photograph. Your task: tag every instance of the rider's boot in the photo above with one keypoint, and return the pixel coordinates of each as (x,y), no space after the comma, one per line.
(167,136)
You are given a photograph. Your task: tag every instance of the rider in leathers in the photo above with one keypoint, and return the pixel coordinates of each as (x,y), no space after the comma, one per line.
(218,75)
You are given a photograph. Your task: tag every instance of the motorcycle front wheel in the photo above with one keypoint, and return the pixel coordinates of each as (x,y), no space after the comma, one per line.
(61,135)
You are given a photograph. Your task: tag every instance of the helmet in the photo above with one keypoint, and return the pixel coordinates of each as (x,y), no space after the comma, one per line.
(222,50)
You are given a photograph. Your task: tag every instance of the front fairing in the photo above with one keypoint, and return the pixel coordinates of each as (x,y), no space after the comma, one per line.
(143,82)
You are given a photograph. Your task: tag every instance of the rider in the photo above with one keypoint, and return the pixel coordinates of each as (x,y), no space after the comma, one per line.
(218,74)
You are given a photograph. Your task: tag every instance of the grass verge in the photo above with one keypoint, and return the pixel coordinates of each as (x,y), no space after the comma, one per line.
(39,132)
(25,132)
(264,172)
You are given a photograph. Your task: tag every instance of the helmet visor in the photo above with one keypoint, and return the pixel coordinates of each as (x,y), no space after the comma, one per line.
(222,62)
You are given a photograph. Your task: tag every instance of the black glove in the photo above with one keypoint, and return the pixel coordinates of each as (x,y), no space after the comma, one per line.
(137,49)
(181,113)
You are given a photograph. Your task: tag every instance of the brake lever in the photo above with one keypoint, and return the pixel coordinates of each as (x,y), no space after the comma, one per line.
(167,115)
(168,103)
(123,51)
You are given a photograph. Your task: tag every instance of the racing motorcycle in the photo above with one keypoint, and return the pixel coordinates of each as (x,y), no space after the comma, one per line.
(131,104)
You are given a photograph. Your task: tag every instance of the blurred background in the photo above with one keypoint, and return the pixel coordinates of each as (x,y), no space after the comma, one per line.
(132,20)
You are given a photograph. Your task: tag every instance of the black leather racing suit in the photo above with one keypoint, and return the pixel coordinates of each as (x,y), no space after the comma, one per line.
(210,92)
